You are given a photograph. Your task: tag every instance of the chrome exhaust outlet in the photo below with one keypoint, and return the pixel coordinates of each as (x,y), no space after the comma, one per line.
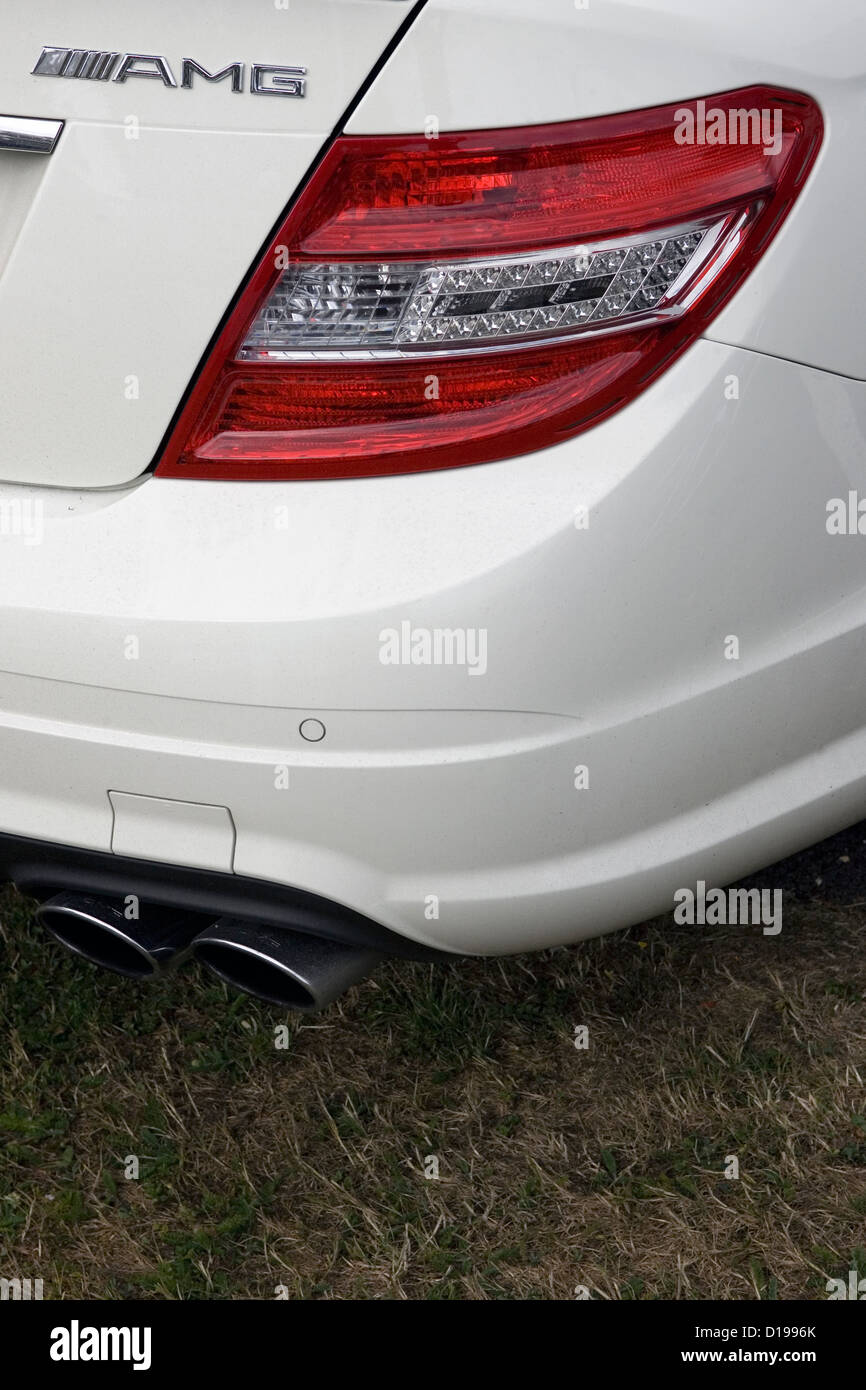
(292,969)
(100,932)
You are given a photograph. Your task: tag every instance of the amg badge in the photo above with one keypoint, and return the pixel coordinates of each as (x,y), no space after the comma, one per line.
(266,79)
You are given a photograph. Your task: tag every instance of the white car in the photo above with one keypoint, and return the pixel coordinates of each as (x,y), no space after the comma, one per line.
(432,443)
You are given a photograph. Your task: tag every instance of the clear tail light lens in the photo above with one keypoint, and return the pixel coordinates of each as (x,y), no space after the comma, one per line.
(431,303)
(341,308)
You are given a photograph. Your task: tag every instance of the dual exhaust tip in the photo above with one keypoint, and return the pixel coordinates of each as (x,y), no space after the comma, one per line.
(291,969)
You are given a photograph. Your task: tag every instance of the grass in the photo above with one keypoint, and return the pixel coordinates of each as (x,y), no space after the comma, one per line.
(304,1171)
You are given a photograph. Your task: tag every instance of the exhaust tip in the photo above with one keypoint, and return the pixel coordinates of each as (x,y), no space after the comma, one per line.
(282,966)
(97,929)
(87,930)
(250,970)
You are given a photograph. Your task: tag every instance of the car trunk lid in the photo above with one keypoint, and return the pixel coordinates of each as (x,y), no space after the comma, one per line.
(121,250)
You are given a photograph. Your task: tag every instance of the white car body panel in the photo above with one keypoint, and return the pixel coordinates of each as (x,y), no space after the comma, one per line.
(165,639)
(430,781)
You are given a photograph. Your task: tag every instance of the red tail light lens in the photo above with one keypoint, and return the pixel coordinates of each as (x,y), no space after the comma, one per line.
(431,303)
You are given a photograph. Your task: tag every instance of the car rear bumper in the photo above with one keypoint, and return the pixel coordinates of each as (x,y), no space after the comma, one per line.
(166,641)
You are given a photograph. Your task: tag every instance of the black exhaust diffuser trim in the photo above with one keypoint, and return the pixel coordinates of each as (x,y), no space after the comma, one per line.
(42,869)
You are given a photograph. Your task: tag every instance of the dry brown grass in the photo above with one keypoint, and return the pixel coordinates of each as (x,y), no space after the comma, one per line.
(558,1167)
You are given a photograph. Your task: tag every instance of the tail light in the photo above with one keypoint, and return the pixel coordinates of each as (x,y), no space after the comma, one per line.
(431,303)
